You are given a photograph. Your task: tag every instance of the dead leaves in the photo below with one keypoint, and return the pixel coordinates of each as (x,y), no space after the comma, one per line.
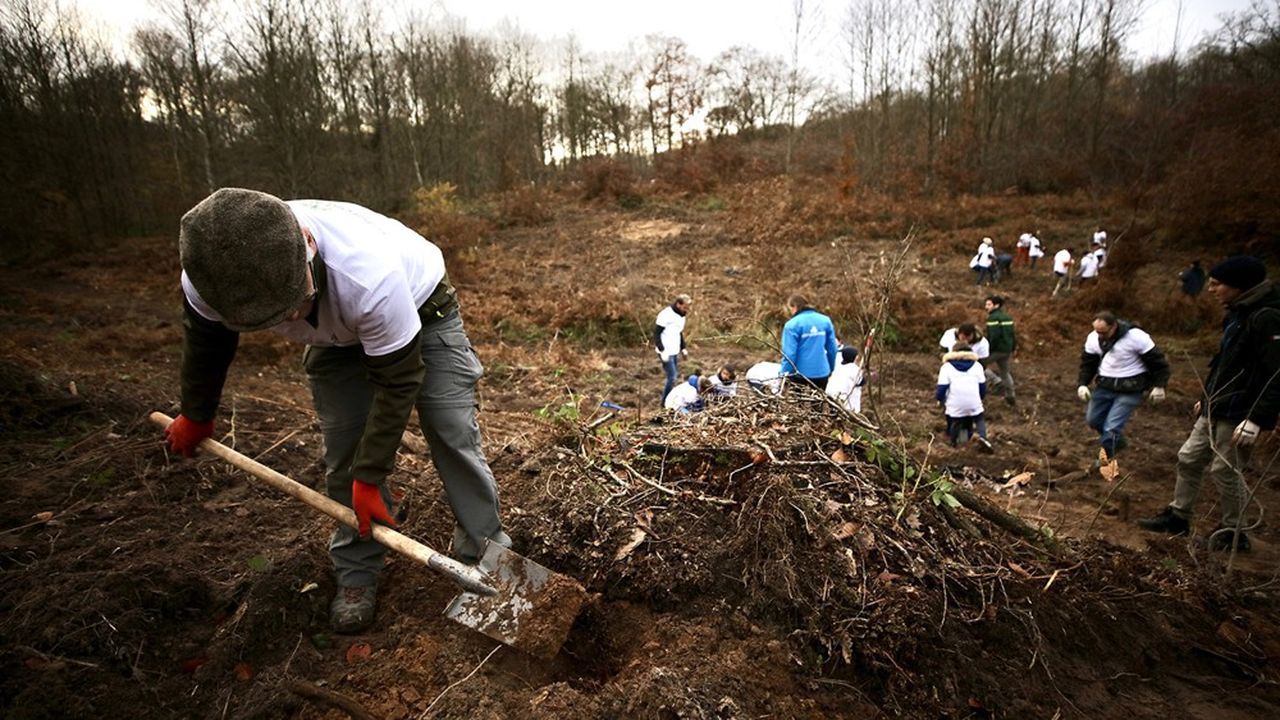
(847,530)
(358,652)
(1021,479)
(1108,468)
(638,535)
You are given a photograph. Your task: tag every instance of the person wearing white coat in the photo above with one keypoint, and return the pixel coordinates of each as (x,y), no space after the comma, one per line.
(984,262)
(845,384)
(962,386)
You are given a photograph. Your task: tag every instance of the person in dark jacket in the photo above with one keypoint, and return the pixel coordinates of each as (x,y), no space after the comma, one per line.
(1003,343)
(1241,399)
(1192,279)
(1127,364)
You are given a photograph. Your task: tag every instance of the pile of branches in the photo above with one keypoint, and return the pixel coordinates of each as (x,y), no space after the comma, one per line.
(797,513)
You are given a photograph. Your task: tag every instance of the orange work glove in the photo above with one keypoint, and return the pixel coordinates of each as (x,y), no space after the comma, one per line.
(366,500)
(184,434)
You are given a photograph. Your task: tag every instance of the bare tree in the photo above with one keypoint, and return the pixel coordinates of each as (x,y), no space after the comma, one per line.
(673,88)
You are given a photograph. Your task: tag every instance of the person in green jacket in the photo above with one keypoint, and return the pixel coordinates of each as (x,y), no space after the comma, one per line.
(1004,345)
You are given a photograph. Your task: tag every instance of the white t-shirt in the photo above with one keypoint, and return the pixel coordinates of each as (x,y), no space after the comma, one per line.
(964,398)
(1101,255)
(1100,237)
(681,397)
(986,255)
(1088,265)
(845,385)
(1062,261)
(672,324)
(1125,359)
(720,388)
(1024,240)
(378,273)
(982,348)
(766,374)
(1034,244)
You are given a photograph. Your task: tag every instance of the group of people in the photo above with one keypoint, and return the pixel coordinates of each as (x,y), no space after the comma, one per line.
(989,265)
(1121,366)
(371,302)
(811,357)
(970,362)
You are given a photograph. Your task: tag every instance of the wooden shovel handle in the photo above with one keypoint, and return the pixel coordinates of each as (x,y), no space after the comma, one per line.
(464,575)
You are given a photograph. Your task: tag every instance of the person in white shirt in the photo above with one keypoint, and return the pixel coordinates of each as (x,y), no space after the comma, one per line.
(765,377)
(724,384)
(984,262)
(1088,268)
(1062,263)
(846,382)
(1034,249)
(668,339)
(966,333)
(1022,250)
(1099,236)
(371,301)
(1126,363)
(687,397)
(1100,252)
(962,385)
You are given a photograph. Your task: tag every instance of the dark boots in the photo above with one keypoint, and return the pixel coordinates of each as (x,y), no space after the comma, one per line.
(1166,522)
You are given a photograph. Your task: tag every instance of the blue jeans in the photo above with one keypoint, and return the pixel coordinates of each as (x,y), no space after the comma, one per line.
(670,366)
(1108,412)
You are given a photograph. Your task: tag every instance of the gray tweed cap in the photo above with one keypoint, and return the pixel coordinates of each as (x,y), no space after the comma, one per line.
(244,252)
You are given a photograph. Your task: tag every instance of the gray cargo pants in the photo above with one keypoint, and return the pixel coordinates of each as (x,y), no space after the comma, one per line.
(447,413)
(1212,449)
(1001,377)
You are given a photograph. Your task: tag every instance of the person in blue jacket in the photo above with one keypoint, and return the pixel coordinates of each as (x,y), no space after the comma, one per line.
(808,344)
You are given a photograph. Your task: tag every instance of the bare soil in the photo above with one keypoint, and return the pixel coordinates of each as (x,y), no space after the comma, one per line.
(766,558)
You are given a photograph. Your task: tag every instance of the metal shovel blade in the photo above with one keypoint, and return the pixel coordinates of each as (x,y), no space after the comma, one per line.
(533,609)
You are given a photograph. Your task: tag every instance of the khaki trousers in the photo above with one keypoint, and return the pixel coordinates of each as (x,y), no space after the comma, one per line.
(1209,447)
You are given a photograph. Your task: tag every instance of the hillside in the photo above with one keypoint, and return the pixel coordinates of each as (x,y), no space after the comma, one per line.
(820,579)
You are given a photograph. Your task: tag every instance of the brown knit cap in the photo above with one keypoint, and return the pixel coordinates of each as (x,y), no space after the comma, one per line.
(244,252)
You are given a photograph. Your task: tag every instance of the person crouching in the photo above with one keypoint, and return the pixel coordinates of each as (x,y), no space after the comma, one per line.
(688,396)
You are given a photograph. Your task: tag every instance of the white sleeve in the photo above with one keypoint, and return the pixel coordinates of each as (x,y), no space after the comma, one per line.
(1142,342)
(388,317)
(197,303)
(1091,344)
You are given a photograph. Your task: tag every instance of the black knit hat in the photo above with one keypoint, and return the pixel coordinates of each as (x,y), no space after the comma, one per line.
(1240,272)
(244,252)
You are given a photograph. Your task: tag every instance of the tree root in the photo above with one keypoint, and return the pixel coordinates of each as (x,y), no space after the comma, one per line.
(322,696)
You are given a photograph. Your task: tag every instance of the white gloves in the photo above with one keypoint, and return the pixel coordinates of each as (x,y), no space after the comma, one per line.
(1083,393)
(1246,433)
(1157,395)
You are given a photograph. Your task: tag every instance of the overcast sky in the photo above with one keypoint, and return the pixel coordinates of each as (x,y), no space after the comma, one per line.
(708,26)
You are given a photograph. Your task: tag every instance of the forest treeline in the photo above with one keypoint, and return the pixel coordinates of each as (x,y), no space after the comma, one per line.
(334,99)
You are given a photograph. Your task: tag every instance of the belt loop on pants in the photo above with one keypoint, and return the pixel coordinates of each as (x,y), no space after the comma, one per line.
(443,300)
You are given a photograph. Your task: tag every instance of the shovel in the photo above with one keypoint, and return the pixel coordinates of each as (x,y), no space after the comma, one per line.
(508,597)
